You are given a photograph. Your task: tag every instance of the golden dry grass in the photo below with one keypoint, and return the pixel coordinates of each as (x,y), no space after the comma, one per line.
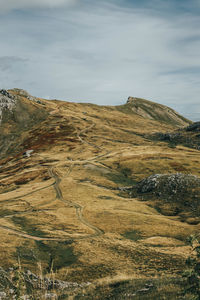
(91,161)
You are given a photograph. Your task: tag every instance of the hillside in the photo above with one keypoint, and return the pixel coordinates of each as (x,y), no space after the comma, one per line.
(17,116)
(71,196)
(154,111)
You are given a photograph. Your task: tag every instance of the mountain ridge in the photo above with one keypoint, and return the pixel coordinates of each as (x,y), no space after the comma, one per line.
(69,192)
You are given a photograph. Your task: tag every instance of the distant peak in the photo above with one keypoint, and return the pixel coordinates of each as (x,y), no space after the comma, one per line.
(155,111)
(131,99)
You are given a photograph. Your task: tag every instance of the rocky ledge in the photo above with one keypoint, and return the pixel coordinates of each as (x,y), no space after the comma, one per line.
(7,102)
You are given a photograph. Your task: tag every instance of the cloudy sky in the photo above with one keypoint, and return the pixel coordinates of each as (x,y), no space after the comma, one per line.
(103,51)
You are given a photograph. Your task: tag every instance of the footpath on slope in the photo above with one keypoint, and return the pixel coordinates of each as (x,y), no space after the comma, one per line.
(79,209)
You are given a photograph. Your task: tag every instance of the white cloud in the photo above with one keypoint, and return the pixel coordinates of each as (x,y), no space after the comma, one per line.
(26,4)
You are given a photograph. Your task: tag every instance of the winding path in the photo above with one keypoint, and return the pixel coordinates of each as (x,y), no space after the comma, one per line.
(79,209)
(59,196)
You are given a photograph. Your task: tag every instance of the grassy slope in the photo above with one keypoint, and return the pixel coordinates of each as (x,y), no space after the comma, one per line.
(93,150)
(154,111)
(16,124)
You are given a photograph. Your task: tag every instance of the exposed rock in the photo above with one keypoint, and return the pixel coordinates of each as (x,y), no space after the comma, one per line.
(194,127)
(31,281)
(187,136)
(169,185)
(149,184)
(131,100)
(17,116)
(6,93)
(173,194)
(171,137)
(7,102)
(28,153)
(24,93)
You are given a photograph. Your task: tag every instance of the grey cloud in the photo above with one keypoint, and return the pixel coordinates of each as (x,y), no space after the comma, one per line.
(26,4)
(101,52)
(7,63)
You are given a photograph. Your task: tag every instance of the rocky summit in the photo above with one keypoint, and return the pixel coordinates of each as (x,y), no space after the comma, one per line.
(96,202)
(7,102)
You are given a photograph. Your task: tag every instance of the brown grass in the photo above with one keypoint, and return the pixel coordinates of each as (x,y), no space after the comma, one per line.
(113,153)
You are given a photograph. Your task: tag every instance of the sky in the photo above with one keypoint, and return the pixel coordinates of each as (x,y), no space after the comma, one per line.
(103,51)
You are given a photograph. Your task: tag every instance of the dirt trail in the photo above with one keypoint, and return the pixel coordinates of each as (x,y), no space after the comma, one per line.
(59,196)
(78,207)
(84,131)
(28,236)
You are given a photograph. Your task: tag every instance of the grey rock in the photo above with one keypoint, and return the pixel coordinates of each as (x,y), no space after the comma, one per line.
(194,127)
(28,153)
(7,102)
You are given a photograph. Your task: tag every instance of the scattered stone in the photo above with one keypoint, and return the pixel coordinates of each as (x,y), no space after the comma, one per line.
(6,93)
(25,94)
(28,153)
(51,296)
(194,127)
(3,295)
(143,291)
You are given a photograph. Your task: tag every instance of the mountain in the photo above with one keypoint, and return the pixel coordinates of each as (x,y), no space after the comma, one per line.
(154,111)
(17,116)
(91,193)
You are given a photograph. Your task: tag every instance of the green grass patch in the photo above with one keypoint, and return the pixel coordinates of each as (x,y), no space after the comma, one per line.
(154,289)
(133,235)
(105,197)
(55,255)
(122,176)
(27,226)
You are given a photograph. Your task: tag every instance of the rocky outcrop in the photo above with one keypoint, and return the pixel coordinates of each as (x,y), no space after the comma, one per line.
(173,194)
(188,136)
(17,116)
(25,94)
(194,127)
(7,102)
(31,286)
(169,185)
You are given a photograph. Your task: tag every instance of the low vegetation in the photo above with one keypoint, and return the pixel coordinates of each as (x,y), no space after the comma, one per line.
(100,202)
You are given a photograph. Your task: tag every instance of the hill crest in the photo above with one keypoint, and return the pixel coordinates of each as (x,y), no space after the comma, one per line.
(155,111)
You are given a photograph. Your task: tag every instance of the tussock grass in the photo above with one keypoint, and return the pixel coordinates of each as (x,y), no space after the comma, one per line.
(94,151)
